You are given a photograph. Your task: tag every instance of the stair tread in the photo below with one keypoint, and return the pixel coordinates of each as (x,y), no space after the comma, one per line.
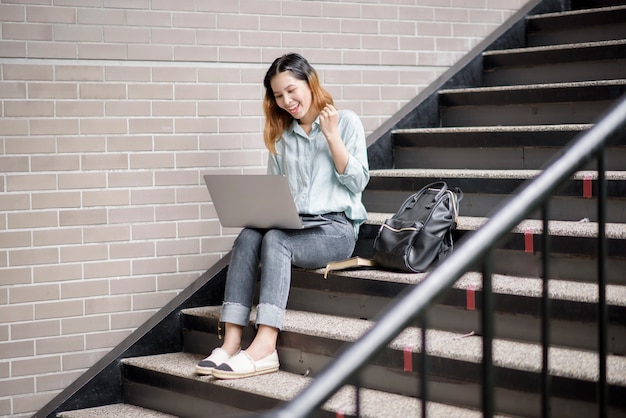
(501,284)
(564,362)
(494,174)
(557,47)
(576,12)
(503,129)
(525,87)
(580,228)
(114,410)
(284,385)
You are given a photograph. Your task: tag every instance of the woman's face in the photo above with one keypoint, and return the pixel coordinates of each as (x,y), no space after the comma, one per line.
(294,96)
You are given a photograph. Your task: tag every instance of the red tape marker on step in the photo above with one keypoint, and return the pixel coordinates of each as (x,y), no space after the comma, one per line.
(528,241)
(470,298)
(587,190)
(339,415)
(408,359)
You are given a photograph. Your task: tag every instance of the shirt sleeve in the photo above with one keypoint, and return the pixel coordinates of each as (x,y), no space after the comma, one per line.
(273,167)
(356,174)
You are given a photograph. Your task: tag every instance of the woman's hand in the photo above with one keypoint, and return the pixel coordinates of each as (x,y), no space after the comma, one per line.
(329,120)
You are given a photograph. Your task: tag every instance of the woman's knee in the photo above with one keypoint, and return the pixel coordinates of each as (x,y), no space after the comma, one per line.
(274,239)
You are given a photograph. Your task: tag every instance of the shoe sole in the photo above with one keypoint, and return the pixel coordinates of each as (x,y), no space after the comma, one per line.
(204,371)
(222,374)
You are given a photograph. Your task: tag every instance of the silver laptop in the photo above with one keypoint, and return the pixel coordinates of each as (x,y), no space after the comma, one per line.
(256,201)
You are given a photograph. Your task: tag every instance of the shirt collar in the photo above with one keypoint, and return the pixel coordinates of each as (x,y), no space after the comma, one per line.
(294,124)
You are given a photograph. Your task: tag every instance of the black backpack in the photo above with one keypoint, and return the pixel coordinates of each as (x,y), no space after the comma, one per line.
(420,232)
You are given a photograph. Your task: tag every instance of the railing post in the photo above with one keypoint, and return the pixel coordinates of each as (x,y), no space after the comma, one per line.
(545,314)
(357,385)
(424,367)
(487,332)
(603,316)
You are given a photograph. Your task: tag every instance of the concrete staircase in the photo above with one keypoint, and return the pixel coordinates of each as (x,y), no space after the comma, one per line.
(488,140)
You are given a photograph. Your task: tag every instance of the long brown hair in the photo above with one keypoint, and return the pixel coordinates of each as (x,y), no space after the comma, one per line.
(277,119)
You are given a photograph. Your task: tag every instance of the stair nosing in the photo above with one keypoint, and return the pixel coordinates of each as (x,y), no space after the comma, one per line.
(563,290)
(527,87)
(521,356)
(115,410)
(487,174)
(583,228)
(284,385)
(576,12)
(500,129)
(556,47)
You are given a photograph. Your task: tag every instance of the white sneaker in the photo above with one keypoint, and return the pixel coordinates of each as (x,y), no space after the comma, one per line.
(242,365)
(217,357)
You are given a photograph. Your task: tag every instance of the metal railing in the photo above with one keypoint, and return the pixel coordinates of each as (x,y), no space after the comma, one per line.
(476,250)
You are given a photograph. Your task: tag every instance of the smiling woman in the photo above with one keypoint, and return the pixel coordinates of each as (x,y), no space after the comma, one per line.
(322,153)
(291,84)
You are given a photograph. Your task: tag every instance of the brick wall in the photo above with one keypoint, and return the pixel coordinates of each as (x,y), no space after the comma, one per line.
(112,110)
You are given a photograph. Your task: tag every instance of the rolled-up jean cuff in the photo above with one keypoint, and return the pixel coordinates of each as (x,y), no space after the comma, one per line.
(235,313)
(270,315)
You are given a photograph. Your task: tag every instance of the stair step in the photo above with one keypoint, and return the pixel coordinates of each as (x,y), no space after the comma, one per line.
(485,190)
(532,104)
(309,340)
(490,147)
(604,60)
(489,136)
(616,231)
(577,26)
(573,248)
(365,293)
(277,387)
(115,410)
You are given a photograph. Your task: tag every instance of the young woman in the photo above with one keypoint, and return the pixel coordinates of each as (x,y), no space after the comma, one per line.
(322,153)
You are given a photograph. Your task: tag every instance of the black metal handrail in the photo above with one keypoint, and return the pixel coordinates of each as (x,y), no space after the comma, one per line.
(412,305)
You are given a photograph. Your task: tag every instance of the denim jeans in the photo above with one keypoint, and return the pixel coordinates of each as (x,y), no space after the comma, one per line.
(275,251)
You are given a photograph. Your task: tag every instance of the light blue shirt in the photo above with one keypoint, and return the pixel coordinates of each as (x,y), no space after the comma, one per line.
(315,184)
